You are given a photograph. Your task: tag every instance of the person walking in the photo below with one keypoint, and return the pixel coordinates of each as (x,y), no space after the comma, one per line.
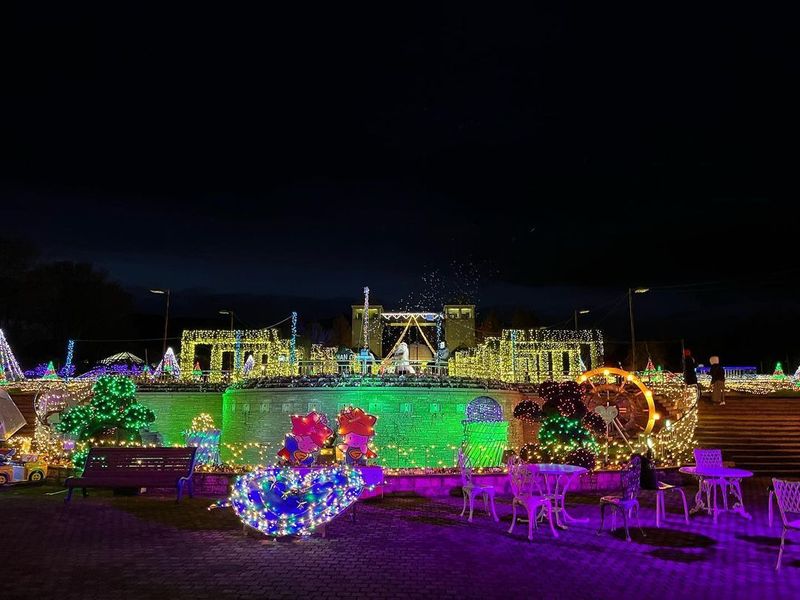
(717,381)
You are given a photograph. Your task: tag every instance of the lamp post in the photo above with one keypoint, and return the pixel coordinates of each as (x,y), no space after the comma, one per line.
(577,312)
(227,311)
(165,292)
(632,291)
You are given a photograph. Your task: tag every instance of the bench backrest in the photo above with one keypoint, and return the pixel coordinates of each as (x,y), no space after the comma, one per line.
(139,462)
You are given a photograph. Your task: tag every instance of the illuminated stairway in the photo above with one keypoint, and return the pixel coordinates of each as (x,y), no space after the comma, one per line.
(758,434)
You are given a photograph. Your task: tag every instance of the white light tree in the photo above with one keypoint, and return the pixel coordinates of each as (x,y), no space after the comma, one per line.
(9,367)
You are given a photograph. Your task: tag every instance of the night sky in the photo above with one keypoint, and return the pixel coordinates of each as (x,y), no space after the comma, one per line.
(563,153)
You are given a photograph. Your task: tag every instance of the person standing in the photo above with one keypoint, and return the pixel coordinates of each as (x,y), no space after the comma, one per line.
(689,368)
(717,381)
(690,373)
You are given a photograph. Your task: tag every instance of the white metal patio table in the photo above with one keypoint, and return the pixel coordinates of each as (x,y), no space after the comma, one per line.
(728,479)
(557,479)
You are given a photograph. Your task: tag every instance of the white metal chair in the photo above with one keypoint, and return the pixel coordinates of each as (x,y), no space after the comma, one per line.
(713,458)
(628,501)
(787,493)
(661,509)
(650,482)
(469,489)
(529,490)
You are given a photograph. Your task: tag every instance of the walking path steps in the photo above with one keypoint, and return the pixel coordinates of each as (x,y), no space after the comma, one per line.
(760,434)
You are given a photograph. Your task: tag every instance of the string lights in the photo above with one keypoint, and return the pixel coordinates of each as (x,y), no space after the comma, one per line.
(293,341)
(530,356)
(204,436)
(272,354)
(248,365)
(323,360)
(113,407)
(365,325)
(281,501)
(528,411)
(9,367)
(69,368)
(168,367)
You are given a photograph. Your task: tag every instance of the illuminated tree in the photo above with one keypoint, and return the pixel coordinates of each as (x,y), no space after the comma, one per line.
(9,367)
(50,371)
(564,435)
(778,372)
(112,413)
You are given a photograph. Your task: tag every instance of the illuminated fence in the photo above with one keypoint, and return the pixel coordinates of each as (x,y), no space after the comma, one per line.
(531,356)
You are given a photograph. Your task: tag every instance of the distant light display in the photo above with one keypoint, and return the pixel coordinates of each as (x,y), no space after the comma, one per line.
(168,367)
(272,354)
(530,356)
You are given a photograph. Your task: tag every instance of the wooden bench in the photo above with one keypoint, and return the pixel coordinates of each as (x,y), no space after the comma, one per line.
(136,468)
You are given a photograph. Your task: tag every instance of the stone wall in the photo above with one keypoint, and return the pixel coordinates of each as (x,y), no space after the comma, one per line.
(416,426)
(175,410)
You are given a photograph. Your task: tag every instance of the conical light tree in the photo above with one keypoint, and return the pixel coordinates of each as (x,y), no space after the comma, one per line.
(168,367)
(8,362)
(50,372)
(778,372)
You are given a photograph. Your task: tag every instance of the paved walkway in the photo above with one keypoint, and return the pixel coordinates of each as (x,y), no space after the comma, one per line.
(149,547)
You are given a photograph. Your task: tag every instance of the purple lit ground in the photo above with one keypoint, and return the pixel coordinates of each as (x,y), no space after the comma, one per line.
(149,547)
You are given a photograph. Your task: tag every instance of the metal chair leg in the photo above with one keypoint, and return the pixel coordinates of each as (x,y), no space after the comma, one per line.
(639,523)
(494,512)
(714,509)
(550,520)
(659,507)
(625,521)
(514,516)
(602,518)
(780,552)
(769,509)
(685,505)
(531,522)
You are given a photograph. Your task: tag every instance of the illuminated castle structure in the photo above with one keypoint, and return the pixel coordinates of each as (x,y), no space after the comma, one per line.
(456,323)
(229,351)
(533,356)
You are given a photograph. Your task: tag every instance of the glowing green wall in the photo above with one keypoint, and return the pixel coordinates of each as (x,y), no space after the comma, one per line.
(416,426)
(175,410)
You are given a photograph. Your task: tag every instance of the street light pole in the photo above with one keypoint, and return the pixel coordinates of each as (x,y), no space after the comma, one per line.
(227,311)
(632,291)
(165,292)
(575,314)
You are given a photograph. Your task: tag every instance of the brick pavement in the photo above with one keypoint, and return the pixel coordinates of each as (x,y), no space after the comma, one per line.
(149,547)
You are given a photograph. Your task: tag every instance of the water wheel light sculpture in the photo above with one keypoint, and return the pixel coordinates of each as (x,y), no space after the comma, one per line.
(622,400)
